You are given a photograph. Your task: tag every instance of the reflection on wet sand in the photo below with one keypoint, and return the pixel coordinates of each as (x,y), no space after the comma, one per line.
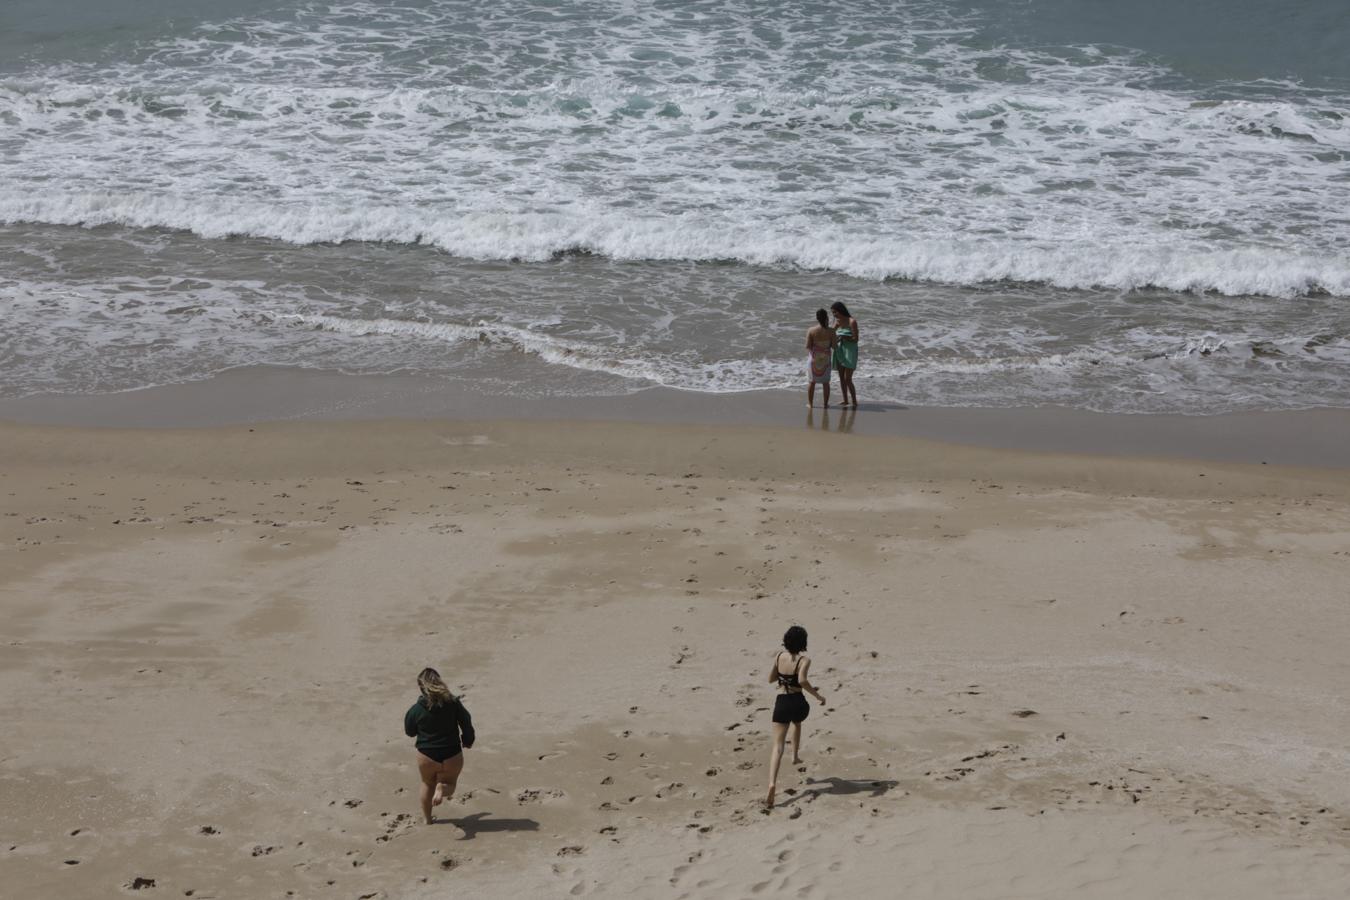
(844,422)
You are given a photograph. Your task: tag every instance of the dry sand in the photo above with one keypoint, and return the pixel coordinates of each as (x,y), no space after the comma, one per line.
(1047,676)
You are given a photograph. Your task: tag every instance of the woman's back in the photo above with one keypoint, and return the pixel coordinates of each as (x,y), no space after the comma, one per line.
(439,725)
(789,680)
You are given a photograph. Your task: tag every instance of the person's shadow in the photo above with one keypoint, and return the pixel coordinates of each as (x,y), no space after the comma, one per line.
(843,787)
(479,823)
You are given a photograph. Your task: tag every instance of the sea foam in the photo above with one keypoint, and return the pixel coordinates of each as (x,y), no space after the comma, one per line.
(623,236)
(920,154)
(1017,221)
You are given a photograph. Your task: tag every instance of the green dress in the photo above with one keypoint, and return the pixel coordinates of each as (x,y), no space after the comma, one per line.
(846,352)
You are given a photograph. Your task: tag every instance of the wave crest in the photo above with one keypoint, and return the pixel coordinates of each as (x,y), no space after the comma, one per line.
(540,236)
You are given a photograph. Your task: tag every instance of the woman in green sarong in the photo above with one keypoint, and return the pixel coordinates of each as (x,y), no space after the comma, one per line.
(845,351)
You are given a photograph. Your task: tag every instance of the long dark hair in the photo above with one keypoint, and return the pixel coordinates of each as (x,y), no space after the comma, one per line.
(823,317)
(839,307)
(794,640)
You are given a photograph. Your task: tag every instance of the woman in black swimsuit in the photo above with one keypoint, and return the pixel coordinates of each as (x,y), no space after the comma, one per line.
(791,707)
(437,720)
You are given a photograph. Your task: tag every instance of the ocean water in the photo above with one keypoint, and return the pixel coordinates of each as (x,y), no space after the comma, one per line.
(1138,207)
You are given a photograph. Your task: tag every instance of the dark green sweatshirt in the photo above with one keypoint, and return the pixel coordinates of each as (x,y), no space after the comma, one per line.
(439,727)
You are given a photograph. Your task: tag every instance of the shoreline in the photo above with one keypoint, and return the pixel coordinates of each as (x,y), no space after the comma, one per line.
(1311,438)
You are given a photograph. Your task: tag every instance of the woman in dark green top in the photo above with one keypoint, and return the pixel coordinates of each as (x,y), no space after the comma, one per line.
(437,720)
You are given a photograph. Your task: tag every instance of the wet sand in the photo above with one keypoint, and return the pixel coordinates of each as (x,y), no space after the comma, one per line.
(1312,437)
(1047,675)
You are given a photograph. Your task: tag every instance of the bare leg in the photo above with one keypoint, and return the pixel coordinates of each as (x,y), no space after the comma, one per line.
(439,780)
(796,743)
(447,779)
(775,759)
(811,395)
(827,394)
(851,388)
(426,768)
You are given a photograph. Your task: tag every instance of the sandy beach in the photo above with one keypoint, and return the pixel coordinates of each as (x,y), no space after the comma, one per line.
(1046,675)
(345,340)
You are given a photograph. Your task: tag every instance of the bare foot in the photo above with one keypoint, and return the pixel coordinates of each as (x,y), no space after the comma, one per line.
(439,797)
(796,760)
(768,801)
(431,820)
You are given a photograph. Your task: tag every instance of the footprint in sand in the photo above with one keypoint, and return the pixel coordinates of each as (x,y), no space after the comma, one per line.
(538,795)
(400,822)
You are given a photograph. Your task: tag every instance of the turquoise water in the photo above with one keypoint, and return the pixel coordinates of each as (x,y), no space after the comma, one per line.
(1133,208)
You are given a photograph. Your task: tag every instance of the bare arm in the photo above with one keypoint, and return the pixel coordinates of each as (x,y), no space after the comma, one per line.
(853,327)
(773,669)
(806,682)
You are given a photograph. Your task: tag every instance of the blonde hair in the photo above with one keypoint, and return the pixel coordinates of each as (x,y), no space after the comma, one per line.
(433,689)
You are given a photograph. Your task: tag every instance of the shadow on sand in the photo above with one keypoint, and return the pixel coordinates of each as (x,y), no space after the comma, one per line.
(842,787)
(480,823)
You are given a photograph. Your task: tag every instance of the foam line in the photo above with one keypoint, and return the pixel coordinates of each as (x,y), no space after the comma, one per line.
(538,237)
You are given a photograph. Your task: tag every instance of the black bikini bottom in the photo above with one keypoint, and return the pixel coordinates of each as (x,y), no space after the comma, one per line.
(440,754)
